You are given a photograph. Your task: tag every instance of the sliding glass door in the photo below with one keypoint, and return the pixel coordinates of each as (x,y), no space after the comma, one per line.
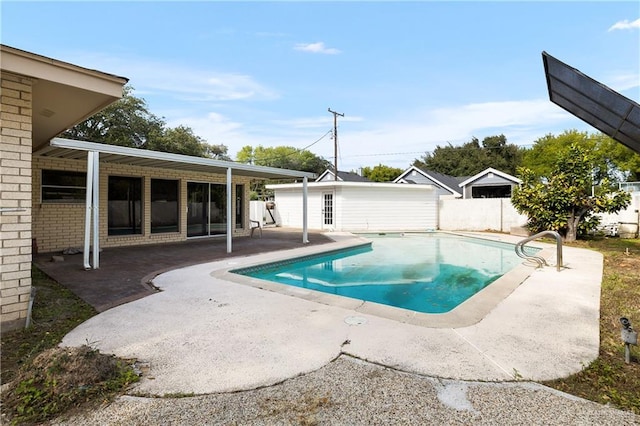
(206,209)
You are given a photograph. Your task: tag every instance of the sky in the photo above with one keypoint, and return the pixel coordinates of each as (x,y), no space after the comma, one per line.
(408,76)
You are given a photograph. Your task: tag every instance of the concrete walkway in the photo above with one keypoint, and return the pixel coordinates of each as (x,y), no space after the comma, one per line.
(202,334)
(259,357)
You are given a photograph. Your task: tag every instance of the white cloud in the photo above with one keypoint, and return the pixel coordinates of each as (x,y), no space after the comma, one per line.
(625,25)
(398,143)
(318,47)
(178,80)
(314,122)
(624,81)
(196,84)
(367,141)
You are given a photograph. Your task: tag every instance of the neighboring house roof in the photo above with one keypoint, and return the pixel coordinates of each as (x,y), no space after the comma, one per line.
(342,176)
(486,172)
(63,94)
(446,182)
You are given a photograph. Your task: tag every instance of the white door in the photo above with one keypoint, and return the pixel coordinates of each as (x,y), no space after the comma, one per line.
(327,210)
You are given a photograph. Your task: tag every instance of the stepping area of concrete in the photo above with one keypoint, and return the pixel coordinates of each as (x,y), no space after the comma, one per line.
(201,334)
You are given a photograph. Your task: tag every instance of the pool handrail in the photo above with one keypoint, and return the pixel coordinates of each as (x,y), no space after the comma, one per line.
(538,259)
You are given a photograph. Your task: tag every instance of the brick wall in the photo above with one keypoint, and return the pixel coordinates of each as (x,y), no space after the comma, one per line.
(15,199)
(57,226)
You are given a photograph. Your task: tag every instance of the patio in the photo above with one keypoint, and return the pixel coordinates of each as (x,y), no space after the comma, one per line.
(125,272)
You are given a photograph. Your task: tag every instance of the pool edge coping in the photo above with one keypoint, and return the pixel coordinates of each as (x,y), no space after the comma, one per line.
(468,313)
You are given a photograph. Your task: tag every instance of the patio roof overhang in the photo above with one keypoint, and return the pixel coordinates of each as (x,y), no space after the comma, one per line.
(594,103)
(96,153)
(77,150)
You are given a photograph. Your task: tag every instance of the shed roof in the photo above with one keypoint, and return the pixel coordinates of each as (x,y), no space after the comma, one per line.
(362,185)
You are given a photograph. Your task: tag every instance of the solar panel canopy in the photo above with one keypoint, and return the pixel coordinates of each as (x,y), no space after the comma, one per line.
(594,103)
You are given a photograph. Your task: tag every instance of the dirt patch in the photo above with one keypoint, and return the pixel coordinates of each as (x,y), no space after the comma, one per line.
(62,378)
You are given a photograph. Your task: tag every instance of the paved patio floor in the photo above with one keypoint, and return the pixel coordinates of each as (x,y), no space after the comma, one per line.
(125,273)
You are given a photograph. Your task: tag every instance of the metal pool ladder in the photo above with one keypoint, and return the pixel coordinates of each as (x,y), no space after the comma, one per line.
(520,249)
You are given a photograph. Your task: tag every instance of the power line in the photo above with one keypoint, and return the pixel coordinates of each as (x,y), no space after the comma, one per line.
(296,150)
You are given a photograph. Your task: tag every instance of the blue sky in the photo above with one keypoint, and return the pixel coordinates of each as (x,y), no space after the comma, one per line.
(407,75)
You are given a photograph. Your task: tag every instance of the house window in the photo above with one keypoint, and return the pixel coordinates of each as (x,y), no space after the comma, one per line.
(60,186)
(239,206)
(164,206)
(502,191)
(125,206)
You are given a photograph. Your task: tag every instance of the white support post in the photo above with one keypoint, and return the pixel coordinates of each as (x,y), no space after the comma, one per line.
(96,210)
(229,211)
(305,236)
(87,214)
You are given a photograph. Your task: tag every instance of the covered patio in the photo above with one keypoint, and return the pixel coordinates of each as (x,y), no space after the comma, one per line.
(126,272)
(145,167)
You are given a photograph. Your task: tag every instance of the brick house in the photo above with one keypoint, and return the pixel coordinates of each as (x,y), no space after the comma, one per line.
(59,193)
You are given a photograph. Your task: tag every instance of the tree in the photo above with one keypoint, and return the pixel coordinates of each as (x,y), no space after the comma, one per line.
(612,160)
(284,157)
(381,173)
(182,140)
(562,200)
(126,122)
(129,123)
(472,157)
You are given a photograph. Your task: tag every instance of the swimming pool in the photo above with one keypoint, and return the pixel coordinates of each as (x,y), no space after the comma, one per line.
(428,272)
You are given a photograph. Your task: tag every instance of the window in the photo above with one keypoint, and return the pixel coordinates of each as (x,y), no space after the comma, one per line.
(125,206)
(502,191)
(239,206)
(164,206)
(59,186)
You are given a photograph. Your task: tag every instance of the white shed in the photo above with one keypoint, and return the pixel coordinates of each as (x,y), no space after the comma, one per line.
(357,206)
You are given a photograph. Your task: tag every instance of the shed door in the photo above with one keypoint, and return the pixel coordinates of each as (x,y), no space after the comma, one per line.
(327,210)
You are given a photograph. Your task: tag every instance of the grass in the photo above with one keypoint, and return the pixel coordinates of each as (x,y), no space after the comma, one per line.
(38,370)
(609,380)
(44,380)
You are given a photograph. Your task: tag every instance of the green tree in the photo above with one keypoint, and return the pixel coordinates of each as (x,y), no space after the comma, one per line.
(562,200)
(182,140)
(473,157)
(612,160)
(129,123)
(284,157)
(126,122)
(381,173)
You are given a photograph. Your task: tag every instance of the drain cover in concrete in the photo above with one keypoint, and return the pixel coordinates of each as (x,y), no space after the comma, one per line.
(355,320)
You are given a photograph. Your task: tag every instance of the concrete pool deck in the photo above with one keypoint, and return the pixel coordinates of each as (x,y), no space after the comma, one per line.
(204,334)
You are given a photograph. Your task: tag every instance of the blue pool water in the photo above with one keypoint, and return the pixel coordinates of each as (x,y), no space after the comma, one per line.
(429,273)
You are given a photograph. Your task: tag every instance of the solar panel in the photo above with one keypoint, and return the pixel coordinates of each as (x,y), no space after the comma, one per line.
(594,103)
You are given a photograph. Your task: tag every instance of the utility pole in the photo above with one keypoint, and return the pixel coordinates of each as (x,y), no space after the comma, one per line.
(335,141)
